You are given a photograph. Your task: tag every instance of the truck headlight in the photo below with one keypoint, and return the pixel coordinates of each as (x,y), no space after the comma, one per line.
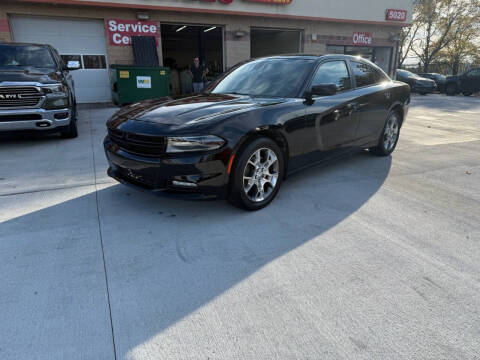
(55,89)
(56,103)
(194,143)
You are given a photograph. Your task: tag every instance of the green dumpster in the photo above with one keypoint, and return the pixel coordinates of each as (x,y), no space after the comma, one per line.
(135,83)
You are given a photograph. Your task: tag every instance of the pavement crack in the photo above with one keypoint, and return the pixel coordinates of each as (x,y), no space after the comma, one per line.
(101,237)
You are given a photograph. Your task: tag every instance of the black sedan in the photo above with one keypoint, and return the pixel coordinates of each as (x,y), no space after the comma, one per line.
(439,79)
(258,122)
(417,83)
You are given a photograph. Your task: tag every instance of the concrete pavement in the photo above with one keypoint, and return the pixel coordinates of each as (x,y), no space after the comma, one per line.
(366,258)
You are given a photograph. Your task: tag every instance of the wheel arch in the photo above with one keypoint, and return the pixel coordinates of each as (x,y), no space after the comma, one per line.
(272,132)
(398,107)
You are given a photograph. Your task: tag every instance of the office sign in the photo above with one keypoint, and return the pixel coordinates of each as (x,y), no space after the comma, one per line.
(362,38)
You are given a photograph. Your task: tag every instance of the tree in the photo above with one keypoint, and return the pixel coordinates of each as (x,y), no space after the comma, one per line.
(464,46)
(438,22)
(408,36)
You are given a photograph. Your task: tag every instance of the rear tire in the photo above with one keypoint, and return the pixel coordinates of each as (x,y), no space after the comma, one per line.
(390,135)
(257,175)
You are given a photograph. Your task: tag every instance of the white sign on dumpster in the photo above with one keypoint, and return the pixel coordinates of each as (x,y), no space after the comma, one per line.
(144,82)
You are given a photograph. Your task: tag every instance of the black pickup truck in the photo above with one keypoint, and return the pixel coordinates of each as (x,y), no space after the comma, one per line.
(36,90)
(466,83)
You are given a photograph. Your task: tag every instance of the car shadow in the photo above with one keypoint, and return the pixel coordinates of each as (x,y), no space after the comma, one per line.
(166,259)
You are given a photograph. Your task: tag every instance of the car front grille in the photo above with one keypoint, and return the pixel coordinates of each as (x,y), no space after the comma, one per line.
(19,96)
(22,117)
(148,145)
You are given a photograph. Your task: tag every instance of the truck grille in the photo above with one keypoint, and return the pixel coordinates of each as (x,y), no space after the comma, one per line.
(147,145)
(16,96)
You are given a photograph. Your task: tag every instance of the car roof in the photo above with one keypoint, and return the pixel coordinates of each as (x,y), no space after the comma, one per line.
(313,56)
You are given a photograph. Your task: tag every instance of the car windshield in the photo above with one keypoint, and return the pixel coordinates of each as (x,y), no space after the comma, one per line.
(279,77)
(406,73)
(14,56)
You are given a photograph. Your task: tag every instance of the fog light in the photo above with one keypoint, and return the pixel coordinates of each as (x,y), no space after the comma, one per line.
(183,183)
(62,115)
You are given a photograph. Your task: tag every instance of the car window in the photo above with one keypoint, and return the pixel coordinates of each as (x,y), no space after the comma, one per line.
(26,56)
(380,76)
(281,77)
(364,74)
(333,72)
(475,73)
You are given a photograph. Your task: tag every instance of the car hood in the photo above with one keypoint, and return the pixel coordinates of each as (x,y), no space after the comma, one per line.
(29,74)
(178,111)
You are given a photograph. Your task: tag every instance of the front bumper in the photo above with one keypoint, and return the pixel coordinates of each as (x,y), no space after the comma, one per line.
(425,88)
(33,119)
(206,173)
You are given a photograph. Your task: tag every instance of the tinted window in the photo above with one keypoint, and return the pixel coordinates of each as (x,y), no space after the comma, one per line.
(364,74)
(333,72)
(475,73)
(265,77)
(94,62)
(380,76)
(26,56)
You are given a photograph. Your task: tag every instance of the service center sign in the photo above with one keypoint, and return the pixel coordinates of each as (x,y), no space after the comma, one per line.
(396,15)
(362,38)
(120,31)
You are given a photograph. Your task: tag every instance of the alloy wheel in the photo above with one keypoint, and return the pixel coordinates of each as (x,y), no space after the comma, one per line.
(260,175)
(390,135)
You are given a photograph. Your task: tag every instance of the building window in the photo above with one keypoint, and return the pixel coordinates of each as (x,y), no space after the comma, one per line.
(94,62)
(67,58)
(381,56)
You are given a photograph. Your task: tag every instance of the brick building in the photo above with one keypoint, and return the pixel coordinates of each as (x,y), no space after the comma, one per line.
(221,32)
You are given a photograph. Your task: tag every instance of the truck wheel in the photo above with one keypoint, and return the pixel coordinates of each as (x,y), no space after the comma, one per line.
(71,131)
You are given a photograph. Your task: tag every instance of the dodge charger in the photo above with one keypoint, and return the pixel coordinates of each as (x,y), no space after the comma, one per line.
(254,125)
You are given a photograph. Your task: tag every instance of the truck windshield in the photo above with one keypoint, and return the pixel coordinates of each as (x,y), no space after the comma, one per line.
(281,77)
(14,56)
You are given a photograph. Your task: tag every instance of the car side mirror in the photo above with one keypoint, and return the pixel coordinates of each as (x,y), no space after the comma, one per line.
(320,90)
(324,90)
(73,65)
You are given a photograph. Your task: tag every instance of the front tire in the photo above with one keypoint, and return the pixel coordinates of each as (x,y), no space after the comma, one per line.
(257,175)
(390,135)
(71,131)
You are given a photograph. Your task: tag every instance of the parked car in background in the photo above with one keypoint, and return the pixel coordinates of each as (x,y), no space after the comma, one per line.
(255,124)
(417,83)
(36,90)
(466,83)
(438,78)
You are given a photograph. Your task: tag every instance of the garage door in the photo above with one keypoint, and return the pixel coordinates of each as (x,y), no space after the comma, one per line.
(266,42)
(82,40)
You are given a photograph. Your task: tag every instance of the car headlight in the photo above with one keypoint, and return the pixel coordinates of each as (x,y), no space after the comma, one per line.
(57,103)
(55,89)
(194,143)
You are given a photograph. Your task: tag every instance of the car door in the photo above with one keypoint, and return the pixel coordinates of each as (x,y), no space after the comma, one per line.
(332,118)
(373,100)
(472,81)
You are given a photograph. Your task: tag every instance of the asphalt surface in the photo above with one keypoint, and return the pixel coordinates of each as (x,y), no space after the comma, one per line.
(365,258)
